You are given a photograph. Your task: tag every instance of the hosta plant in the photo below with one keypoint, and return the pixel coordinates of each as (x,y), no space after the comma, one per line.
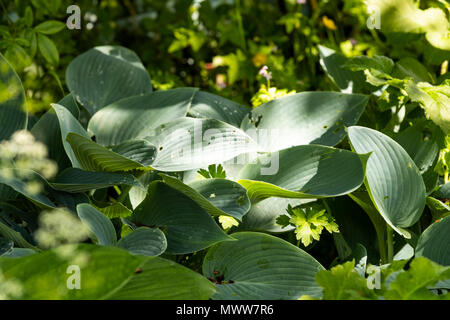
(183,194)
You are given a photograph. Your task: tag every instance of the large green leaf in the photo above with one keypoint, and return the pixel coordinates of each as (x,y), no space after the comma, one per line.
(392,178)
(189,143)
(434,242)
(259,266)
(116,210)
(162,279)
(106,74)
(105,273)
(208,105)
(216,196)
(15,236)
(263,215)
(304,118)
(13,115)
(309,171)
(188,227)
(144,241)
(94,157)
(21,186)
(140,151)
(133,117)
(126,119)
(76,180)
(67,124)
(346,80)
(423,148)
(438,208)
(99,224)
(443,192)
(47,131)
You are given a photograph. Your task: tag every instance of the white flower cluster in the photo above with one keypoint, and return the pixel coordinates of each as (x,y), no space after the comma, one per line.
(21,155)
(58,227)
(9,289)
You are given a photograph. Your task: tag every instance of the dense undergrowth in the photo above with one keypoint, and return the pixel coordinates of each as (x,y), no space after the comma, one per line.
(188,150)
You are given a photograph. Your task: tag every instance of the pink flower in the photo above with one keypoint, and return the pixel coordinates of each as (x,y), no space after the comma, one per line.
(265,73)
(301,1)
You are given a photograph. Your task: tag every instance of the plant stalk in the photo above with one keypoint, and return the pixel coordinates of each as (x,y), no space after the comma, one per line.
(390,243)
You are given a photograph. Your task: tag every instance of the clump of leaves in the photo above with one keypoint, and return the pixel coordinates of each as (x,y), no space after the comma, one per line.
(309,222)
(406,82)
(213,172)
(396,281)
(267,93)
(228,222)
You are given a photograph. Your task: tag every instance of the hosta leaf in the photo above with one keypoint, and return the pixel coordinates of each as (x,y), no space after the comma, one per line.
(304,118)
(140,151)
(22,187)
(67,124)
(6,245)
(346,80)
(260,266)
(215,196)
(188,227)
(47,131)
(438,208)
(15,236)
(144,241)
(423,149)
(309,171)
(392,178)
(132,117)
(18,252)
(189,143)
(106,74)
(443,192)
(434,242)
(76,180)
(126,119)
(106,273)
(99,224)
(355,226)
(94,157)
(137,195)
(208,105)
(115,210)
(263,215)
(162,279)
(13,115)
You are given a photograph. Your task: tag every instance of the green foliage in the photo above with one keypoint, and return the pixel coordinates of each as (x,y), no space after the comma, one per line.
(213,172)
(135,137)
(342,282)
(309,222)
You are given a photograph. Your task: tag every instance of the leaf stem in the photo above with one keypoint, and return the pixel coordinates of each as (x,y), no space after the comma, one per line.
(390,243)
(123,195)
